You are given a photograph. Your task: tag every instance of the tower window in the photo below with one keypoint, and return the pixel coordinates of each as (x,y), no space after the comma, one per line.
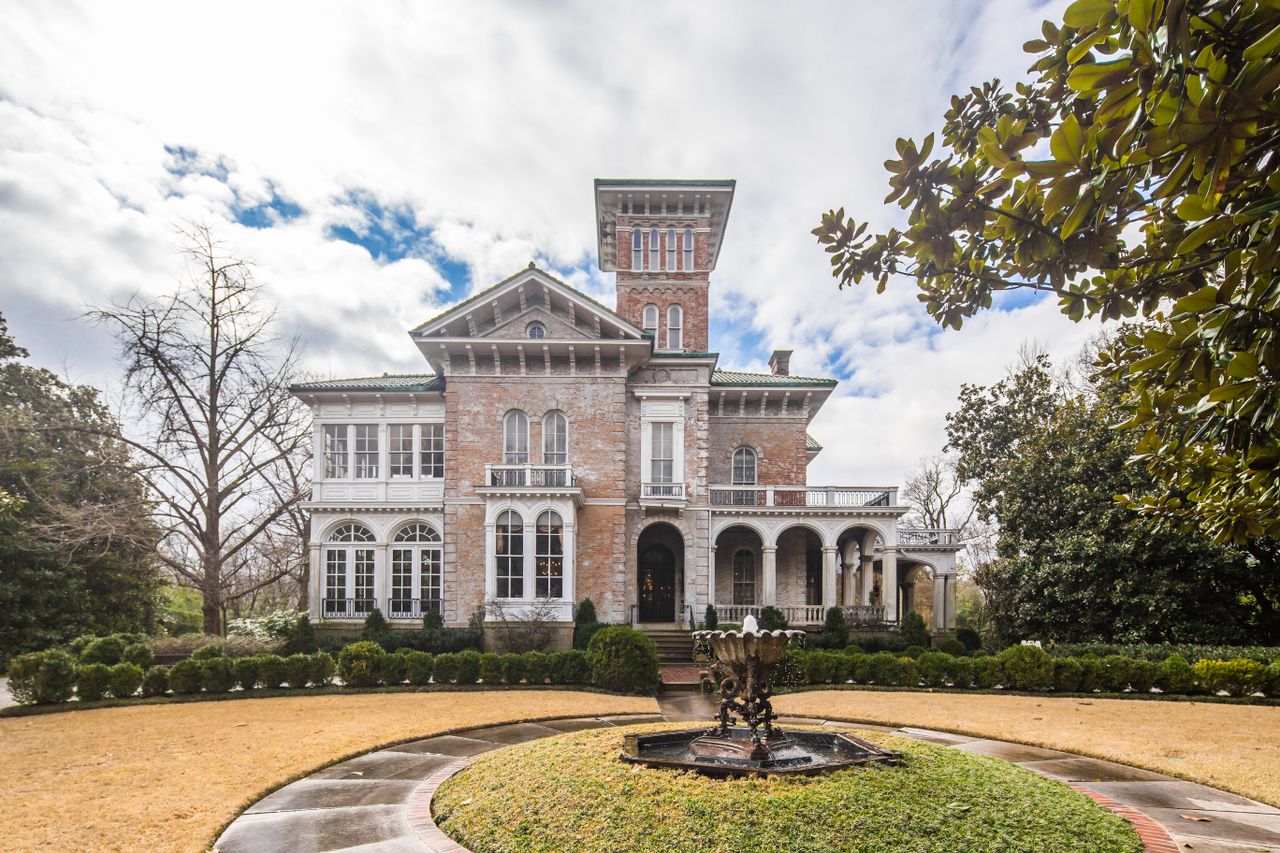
(675,327)
(651,321)
(537,330)
(654,249)
(688,249)
(636,251)
(671,249)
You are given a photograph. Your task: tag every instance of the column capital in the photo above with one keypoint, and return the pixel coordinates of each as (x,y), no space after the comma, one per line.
(769,549)
(830,548)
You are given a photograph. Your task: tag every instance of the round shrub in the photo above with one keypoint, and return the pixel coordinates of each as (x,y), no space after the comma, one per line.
(1237,677)
(245,672)
(103,650)
(272,671)
(909,673)
(914,652)
(1027,668)
(1176,675)
(156,681)
(841,668)
(955,648)
(358,663)
(186,676)
(623,660)
(297,670)
(969,638)
(513,668)
(583,633)
(568,667)
(124,680)
(138,654)
(772,619)
(42,678)
(961,672)
(1090,674)
(209,652)
(1143,675)
(1272,687)
(323,668)
(818,666)
(791,670)
(913,630)
(988,672)
(219,676)
(586,612)
(1115,673)
(391,669)
(935,668)
(1066,675)
(536,667)
(860,668)
(491,668)
(468,667)
(884,668)
(91,681)
(833,625)
(417,667)
(445,668)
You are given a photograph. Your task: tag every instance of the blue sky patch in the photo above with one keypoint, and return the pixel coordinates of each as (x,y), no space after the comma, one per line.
(268,214)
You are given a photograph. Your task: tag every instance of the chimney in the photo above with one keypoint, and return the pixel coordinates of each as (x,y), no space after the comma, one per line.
(780,362)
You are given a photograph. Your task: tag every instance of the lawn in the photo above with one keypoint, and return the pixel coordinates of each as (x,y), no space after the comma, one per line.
(166,777)
(1235,747)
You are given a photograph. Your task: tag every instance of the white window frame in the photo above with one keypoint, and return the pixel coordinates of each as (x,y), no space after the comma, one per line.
(515,438)
(662,452)
(548,556)
(649,320)
(351,566)
(637,249)
(366,451)
(337,451)
(400,451)
(655,250)
(417,556)
(671,249)
(688,249)
(509,564)
(431,451)
(555,438)
(675,328)
(740,475)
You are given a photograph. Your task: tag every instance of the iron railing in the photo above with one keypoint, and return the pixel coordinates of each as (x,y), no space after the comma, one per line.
(803,496)
(928,536)
(347,608)
(802,614)
(530,476)
(669,491)
(413,608)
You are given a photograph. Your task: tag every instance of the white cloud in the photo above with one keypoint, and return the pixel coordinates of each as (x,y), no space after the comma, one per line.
(488,121)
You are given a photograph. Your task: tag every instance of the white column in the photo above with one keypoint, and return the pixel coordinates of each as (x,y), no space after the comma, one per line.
(490,564)
(711,580)
(570,566)
(317,583)
(868,573)
(949,600)
(828,577)
(889,584)
(530,562)
(381,574)
(939,603)
(770,567)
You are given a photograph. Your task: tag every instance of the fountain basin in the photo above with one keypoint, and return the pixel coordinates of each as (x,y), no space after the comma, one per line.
(715,753)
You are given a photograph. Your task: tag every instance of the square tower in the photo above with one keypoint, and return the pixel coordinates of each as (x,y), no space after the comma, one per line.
(662,238)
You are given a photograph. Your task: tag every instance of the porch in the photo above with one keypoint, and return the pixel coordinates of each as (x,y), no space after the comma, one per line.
(805,615)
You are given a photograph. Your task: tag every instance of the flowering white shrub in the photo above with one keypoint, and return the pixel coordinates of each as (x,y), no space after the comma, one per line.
(275,625)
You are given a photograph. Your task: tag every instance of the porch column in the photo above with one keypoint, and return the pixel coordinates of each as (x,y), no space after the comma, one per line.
(889,583)
(828,577)
(939,603)
(949,599)
(316,582)
(711,580)
(868,575)
(770,565)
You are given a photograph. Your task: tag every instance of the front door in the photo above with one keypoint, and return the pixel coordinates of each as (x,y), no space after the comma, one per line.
(657,584)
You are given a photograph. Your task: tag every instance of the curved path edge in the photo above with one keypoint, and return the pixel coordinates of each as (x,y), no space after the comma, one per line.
(380,802)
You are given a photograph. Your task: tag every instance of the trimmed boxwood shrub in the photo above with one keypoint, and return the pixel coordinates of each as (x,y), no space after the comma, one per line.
(1273,679)
(391,669)
(245,671)
(1176,675)
(1143,675)
(1115,673)
(91,681)
(988,672)
(1066,675)
(955,648)
(417,667)
(914,652)
(819,666)
(884,668)
(156,681)
(468,667)
(138,654)
(536,667)
(1027,668)
(219,677)
(358,663)
(711,619)
(513,668)
(1237,677)
(585,613)
(909,673)
(446,667)
(297,670)
(623,660)
(42,678)
(772,619)
(209,652)
(834,626)
(583,633)
(491,668)
(103,650)
(913,630)
(969,638)
(323,668)
(1090,674)
(186,676)
(272,671)
(124,680)
(961,672)
(569,667)
(935,668)
(860,668)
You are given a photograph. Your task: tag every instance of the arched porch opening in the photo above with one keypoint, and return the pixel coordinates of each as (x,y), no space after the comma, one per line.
(739,557)
(861,574)
(915,589)
(659,573)
(800,582)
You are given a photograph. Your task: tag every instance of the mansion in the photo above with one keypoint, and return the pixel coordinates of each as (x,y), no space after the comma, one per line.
(555,449)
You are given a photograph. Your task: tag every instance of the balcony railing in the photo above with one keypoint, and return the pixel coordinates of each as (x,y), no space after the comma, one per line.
(802,614)
(928,536)
(803,496)
(413,608)
(347,608)
(662,491)
(530,476)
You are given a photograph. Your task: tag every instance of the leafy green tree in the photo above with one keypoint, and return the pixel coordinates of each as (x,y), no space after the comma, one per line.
(77,545)
(1074,565)
(1134,175)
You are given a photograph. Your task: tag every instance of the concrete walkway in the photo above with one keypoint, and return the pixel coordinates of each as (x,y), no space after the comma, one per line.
(380,802)
(6,698)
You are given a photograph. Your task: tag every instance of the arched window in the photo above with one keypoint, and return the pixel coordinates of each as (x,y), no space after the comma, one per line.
(536,330)
(555,439)
(675,327)
(637,253)
(348,573)
(744,577)
(651,321)
(416,572)
(688,249)
(654,249)
(548,555)
(744,467)
(671,249)
(508,548)
(515,438)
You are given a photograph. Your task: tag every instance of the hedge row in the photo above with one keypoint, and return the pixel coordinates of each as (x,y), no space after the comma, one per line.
(1161,651)
(618,659)
(1029,668)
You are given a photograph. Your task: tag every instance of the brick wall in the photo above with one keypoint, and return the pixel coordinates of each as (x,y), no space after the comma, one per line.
(778,441)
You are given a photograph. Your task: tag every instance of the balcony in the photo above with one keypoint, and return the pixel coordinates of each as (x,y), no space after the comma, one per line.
(804,497)
(530,476)
(803,615)
(929,537)
(670,495)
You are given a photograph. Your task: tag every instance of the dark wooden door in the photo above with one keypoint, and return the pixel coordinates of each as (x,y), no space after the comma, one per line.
(657,584)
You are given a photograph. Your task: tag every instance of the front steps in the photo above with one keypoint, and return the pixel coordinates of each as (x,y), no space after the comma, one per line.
(675,645)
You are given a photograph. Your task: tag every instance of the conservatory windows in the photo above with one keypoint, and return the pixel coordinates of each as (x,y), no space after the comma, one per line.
(508,549)
(548,556)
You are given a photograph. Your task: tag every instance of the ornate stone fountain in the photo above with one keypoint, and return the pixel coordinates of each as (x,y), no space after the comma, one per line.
(746,662)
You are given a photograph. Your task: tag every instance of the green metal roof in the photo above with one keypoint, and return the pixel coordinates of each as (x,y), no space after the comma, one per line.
(422,382)
(738,378)
(811,443)
(679,182)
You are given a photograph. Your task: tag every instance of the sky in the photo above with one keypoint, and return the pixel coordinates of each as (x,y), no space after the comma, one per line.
(379,161)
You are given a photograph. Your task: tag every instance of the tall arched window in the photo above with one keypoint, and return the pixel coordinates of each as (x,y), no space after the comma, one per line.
(548,555)
(744,577)
(348,573)
(675,327)
(637,253)
(555,439)
(688,249)
(651,321)
(654,249)
(416,572)
(508,548)
(671,249)
(744,467)
(515,438)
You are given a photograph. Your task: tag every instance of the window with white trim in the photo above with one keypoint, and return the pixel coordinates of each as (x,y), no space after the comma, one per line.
(336,448)
(400,450)
(348,561)
(688,249)
(655,251)
(675,327)
(744,467)
(637,252)
(515,438)
(671,249)
(548,555)
(416,571)
(508,549)
(365,441)
(744,577)
(555,439)
(431,451)
(650,320)
(662,455)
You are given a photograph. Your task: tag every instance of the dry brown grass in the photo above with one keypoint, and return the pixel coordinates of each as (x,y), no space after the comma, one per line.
(1235,747)
(165,777)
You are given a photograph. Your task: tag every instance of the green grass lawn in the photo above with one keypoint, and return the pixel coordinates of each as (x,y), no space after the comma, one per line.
(572,792)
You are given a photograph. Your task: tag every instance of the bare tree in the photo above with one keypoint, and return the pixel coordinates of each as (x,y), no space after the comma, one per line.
(936,495)
(209,379)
